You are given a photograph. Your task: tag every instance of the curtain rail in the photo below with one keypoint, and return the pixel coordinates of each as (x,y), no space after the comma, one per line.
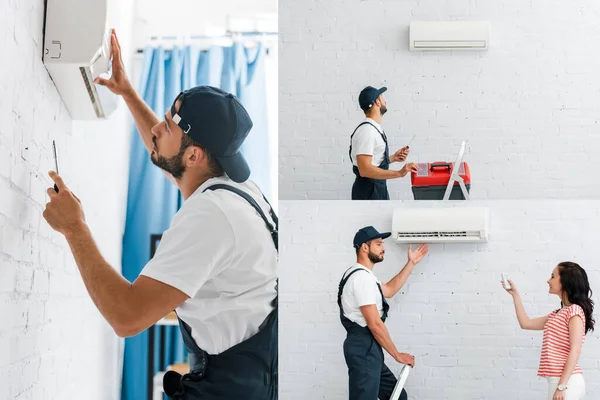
(228,35)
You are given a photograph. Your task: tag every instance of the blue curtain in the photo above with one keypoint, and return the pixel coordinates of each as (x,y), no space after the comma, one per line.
(152,200)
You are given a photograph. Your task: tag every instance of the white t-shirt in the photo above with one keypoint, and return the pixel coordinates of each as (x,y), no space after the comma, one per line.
(360,290)
(367,141)
(219,252)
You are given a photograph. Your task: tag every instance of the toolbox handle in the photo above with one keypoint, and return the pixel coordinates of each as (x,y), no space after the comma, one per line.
(441,165)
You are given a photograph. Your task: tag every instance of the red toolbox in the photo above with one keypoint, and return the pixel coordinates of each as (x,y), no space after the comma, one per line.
(431,180)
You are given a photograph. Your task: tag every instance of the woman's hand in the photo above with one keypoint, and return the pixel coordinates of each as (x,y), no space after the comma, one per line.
(513,289)
(559,395)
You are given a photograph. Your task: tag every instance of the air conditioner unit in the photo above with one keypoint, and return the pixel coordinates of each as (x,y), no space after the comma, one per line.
(76,51)
(440,225)
(449,35)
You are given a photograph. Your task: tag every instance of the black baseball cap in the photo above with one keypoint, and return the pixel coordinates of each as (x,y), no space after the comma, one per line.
(368,233)
(368,95)
(217,121)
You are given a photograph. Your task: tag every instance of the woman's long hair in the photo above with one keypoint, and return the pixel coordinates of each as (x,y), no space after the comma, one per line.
(575,284)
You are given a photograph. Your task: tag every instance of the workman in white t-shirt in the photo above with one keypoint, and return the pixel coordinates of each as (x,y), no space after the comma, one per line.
(216,265)
(363,312)
(369,150)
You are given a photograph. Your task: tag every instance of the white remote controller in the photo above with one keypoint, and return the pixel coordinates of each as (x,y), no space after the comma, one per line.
(505,281)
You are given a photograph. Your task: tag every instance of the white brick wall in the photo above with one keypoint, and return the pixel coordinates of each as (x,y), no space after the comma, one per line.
(452,315)
(528,106)
(54,344)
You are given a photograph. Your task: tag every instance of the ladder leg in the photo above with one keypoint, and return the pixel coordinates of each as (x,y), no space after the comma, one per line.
(464,189)
(449,188)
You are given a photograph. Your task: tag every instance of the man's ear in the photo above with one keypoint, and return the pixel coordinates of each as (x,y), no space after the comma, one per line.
(193,155)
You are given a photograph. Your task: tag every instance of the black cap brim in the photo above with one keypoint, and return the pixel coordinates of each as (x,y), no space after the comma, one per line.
(235,167)
(383,235)
(381,91)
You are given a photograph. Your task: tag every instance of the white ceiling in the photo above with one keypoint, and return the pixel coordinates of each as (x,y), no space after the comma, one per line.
(197,17)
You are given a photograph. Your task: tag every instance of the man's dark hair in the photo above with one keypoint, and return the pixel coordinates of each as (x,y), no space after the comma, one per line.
(367,243)
(213,165)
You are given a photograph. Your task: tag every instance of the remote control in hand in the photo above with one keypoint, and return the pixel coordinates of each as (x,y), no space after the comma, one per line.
(505,281)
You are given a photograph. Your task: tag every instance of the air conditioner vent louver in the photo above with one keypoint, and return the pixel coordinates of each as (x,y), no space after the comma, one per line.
(445,44)
(432,234)
(91,90)
(440,225)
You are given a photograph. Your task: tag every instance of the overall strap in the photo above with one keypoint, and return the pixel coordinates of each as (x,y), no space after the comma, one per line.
(384,303)
(272,214)
(341,287)
(273,229)
(359,125)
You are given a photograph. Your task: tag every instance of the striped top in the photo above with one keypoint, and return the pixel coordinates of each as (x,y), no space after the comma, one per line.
(556,345)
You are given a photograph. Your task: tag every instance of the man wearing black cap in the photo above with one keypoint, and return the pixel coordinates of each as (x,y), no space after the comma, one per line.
(363,311)
(216,264)
(369,151)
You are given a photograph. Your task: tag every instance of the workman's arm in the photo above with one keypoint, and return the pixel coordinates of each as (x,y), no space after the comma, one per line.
(366,169)
(381,334)
(128,307)
(392,287)
(119,84)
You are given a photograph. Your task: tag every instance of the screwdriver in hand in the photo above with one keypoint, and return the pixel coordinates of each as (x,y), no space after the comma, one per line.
(55,163)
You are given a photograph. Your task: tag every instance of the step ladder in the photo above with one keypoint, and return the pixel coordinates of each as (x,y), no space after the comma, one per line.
(401,382)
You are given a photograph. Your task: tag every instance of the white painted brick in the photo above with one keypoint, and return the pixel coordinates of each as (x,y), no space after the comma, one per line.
(41,282)
(453,315)
(20,175)
(38,190)
(41,292)
(513,103)
(5,158)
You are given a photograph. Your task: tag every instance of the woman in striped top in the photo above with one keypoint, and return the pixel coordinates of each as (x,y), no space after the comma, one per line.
(564,330)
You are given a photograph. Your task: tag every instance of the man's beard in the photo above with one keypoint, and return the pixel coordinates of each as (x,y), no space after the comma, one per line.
(383,109)
(375,258)
(173,165)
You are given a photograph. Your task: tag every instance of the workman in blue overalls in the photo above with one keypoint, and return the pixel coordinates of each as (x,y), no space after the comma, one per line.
(363,312)
(216,265)
(369,150)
